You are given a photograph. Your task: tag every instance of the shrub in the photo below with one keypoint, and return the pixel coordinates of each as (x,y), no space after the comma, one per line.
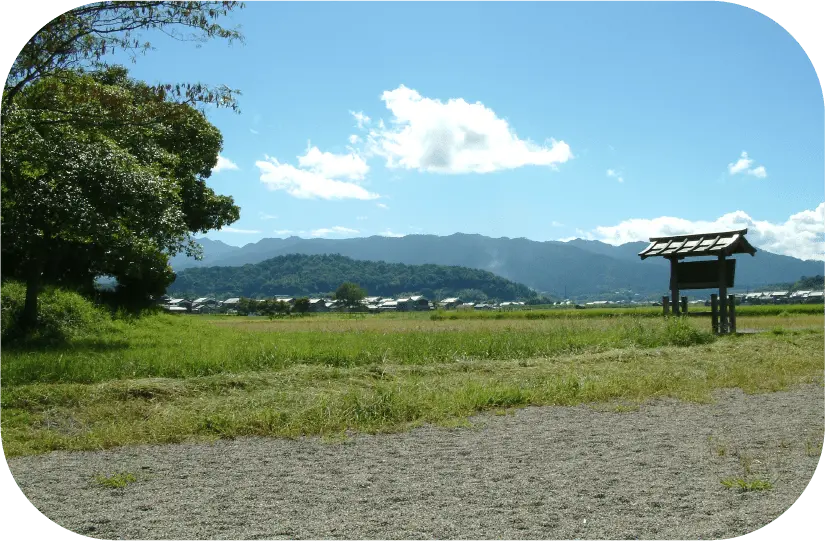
(61,314)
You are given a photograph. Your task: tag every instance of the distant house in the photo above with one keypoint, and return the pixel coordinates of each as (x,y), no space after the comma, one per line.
(484,306)
(173,308)
(815,296)
(419,303)
(388,305)
(452,302)
(318,305)
(465,306)
(780,297)
(371,300)
(231,303)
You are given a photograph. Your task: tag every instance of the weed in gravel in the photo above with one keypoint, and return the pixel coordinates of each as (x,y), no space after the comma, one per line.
(719,448)
(118,480)
(746,486)
(813,448)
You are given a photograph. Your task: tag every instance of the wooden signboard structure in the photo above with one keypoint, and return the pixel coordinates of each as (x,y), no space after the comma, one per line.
(709,274)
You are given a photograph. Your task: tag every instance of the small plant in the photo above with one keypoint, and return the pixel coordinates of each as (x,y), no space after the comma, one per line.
(118,480)
(718,448)
(813,449)
(746,486)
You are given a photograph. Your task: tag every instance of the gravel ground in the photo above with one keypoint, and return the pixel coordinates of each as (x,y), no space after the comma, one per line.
(549,472)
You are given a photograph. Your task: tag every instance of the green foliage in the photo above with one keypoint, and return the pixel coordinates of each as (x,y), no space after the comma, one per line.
(61,315)
(312,274)
(82,37)
(814,283)
(350,294)
(301,305)
(110,197)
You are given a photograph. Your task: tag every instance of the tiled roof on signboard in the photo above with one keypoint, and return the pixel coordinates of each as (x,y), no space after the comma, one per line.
(699,244)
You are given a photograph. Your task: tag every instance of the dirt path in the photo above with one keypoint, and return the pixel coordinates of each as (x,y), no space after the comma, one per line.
(550,472)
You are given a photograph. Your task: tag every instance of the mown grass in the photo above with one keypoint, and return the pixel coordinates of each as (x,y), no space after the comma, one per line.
(170,379)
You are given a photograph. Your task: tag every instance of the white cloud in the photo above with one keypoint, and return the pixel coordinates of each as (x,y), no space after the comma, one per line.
(256,132)
(360,218)
(224,164)
(802,235)
(244,231)
(454,137)
(554,223)
(382,206)
(354,139)
(361,119)
(282,232)
(615,174)
(350,166)
(335,230)
(759,172)
(314,183)
(265,216)
(743,165)
(389,233)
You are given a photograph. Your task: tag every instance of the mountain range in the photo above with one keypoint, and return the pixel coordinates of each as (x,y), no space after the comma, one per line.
(562,269)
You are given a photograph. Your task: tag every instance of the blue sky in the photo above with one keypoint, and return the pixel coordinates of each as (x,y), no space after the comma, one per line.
(612,121)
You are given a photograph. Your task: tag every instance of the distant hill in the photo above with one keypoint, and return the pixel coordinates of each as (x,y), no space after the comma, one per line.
(297,274)
(578,267)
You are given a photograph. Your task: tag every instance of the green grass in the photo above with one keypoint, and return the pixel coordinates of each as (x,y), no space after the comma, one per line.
(178,347)
(164,379)
(118,480)
(641,311)
(746,486)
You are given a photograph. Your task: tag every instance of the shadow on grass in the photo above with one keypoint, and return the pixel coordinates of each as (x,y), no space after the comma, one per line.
(63,344)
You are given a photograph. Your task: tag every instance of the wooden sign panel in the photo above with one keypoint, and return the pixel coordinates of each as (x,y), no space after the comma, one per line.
(703,274)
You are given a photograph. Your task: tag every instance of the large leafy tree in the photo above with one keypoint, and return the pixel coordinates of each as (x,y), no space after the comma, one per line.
(115,195)
(350,294)
(102,174)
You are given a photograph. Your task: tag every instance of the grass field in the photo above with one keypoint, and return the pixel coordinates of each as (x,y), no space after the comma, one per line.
(174,378)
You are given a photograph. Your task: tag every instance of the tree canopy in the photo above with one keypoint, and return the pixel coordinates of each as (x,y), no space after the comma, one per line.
(83,37)
(102,174)
(350,293)
(105,197)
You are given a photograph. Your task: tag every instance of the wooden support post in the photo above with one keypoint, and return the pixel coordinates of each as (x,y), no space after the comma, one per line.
(665,307)
(684,305)
(732,307)
(714,313)
(723,297)
(674,286)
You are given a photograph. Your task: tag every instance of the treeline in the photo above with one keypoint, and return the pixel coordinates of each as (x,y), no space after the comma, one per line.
(814,283)
(300,275)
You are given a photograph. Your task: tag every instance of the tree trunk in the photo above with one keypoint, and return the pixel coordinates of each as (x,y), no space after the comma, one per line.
(29,319)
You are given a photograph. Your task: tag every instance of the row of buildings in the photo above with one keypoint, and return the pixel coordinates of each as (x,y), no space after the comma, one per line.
(415,303)
(782,297)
